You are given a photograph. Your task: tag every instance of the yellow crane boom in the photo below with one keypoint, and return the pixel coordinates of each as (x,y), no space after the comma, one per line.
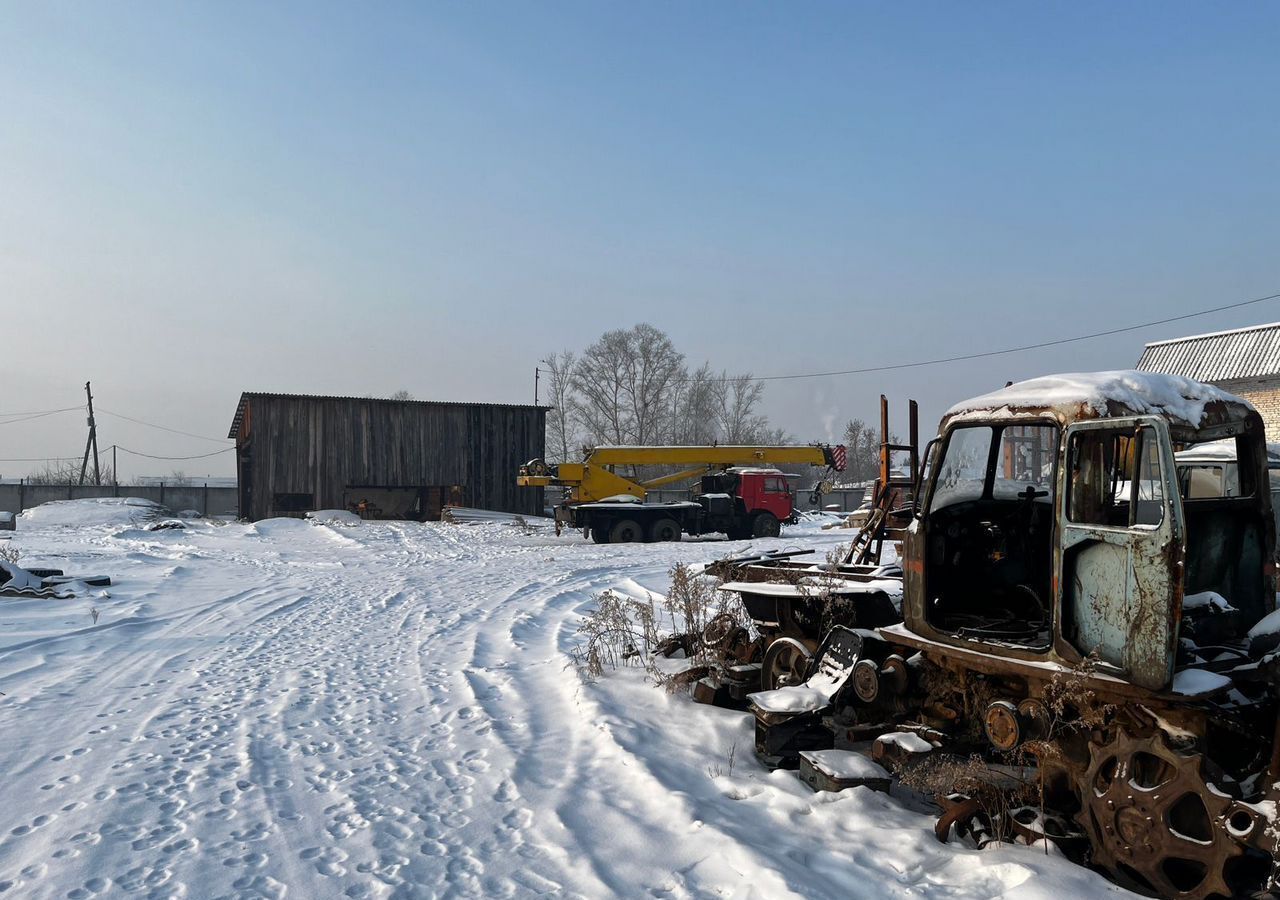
(595,477)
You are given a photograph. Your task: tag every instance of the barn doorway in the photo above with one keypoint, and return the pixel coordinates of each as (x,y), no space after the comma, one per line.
(382,502)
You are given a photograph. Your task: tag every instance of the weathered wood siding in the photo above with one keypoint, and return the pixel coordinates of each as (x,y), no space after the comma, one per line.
(320,445)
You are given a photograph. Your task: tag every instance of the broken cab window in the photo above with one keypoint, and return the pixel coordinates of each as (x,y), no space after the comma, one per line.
(962,473)
(1212,471)
(1115,478)
(1024,463)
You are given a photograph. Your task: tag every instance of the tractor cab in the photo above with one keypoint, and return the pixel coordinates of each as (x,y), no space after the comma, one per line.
(1054,524)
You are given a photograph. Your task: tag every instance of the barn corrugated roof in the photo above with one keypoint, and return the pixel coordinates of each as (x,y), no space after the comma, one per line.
(1252,352)
(248,395)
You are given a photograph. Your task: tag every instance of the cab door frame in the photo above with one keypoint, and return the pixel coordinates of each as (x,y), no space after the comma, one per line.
(1120,588)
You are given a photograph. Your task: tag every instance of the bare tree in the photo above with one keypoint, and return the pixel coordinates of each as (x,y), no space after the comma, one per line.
(563,416)
(625,383)
(863,445)
(695,409)
(739,422)
(401,394)
(66,471)
(632,387)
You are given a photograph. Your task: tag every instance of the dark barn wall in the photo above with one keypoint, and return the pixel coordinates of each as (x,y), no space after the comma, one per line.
(319,445)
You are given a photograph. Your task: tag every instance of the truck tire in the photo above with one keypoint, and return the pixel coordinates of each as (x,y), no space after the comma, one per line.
(765,525)
(626,531)
(665,530)
(600,535)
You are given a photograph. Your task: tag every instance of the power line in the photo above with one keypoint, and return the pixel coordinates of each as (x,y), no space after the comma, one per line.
(986,353)
(27,417)
(160,427)
(39,412)
(38,458)
(150,456)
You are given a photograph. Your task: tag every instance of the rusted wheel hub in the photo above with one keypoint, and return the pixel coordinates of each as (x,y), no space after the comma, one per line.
(785,664)
(1153,821)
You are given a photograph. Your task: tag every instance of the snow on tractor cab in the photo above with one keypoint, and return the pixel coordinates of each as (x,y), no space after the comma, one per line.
(1088,651)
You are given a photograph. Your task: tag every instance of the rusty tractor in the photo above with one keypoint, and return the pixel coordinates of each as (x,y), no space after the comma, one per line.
(1079,649)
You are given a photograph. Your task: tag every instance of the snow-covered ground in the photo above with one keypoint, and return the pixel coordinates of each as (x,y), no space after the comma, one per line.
(388,710)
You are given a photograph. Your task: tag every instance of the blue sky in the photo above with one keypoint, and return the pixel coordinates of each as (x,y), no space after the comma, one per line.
(205,198)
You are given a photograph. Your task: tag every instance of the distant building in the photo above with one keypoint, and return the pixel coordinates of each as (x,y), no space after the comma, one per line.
(1245,361)
(382,459)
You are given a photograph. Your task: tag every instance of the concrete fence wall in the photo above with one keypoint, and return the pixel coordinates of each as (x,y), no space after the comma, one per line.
(208,501)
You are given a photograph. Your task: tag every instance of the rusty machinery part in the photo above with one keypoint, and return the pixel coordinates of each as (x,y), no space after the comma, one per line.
(970,819)
(720,632)
(536,467)
(895,674)
(866,680)
(786,663)
(1001,725)
(1031,824)
(1034,716)
(967,816)
(1153,821)
(743,649)
(871,678)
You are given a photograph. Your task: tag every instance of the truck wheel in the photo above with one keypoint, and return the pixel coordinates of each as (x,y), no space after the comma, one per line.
(665,530)
(765,525)
(600,535)
(627,531)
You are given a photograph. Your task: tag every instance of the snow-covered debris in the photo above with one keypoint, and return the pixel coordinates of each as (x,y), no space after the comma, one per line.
(1194,682)
(793,699)
(461,515)
(93,512)
(341,517)
(16,578)
(845,764)
(1137,392)
(1207,599)
(908,741)
(16,581)
(1268,624)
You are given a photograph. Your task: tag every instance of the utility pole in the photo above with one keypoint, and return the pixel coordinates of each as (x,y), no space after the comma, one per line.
(537,373)
(91,444)
(115,468)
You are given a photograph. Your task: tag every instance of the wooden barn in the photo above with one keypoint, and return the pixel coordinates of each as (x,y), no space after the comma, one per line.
(382,459)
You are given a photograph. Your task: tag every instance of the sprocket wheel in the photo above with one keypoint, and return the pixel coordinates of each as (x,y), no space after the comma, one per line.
(1153,821)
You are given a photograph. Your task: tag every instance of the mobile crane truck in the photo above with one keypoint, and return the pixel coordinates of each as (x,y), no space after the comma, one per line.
(740,491)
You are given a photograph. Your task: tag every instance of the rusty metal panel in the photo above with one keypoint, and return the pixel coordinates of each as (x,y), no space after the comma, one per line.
(1122,585)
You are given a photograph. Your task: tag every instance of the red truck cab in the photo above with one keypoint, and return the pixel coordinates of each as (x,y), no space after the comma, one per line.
(747,502)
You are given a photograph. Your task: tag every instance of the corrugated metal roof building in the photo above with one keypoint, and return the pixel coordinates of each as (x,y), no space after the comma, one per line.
(383,459)
(1244,361)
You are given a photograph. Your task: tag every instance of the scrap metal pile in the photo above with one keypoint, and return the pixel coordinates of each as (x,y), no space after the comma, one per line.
(16,581)
(1081,644)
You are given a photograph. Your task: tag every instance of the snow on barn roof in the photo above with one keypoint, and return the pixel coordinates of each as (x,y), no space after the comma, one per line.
(245,397)
(1252,352)
(1094,395)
